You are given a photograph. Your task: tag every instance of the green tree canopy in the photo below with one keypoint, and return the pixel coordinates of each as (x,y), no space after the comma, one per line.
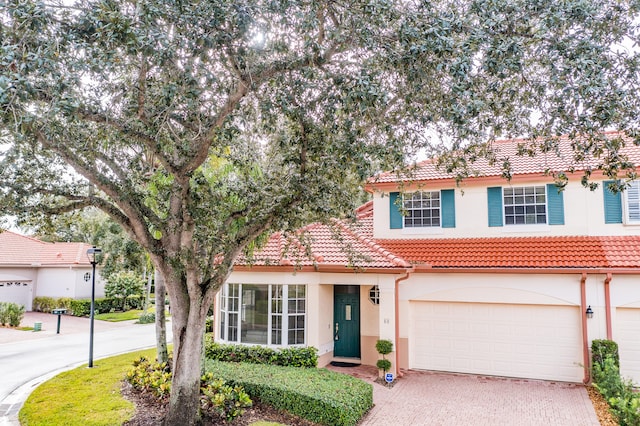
(200,127)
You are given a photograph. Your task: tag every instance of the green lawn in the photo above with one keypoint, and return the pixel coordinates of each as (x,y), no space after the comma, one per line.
(87,397)
(92,397)
(133,314)
(83,396)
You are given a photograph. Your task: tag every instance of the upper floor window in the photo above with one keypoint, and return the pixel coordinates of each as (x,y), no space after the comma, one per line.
(621,206)
(525,205)
(632,195)
(422,209)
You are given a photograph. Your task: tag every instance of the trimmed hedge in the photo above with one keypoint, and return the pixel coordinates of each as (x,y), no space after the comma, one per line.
(601,349)
(82,307)
(286,357)
(47,304)
(318,395)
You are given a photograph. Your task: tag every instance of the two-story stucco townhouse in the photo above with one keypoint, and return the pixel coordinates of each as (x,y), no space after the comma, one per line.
(31,268)
(489,277)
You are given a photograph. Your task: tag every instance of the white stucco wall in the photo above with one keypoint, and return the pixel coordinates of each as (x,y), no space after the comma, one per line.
(319,333)
(53,282)
(67,282)
(583,212)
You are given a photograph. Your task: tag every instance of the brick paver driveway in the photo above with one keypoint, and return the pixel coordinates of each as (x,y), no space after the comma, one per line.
(431,398)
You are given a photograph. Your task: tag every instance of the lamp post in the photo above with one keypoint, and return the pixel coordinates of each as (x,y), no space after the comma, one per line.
(91,255)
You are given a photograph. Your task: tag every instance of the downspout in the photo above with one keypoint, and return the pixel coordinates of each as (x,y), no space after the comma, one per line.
(607,305)
(585,337)
(397,319)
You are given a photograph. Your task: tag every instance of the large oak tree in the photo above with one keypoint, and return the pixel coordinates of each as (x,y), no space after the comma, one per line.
(202,126)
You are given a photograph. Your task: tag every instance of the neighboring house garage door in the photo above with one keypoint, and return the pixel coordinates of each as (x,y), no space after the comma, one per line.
(16,292)
(529,341)
(627,335)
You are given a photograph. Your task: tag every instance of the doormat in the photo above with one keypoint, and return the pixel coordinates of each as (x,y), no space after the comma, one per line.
(343,364)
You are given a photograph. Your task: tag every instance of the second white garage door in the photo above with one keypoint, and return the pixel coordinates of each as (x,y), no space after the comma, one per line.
(529,341)
(627,334)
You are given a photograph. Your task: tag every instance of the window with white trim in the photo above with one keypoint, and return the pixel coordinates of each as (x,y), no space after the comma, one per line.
(525,205)
(265,314)
(632,203)
(422,209)
(374,295)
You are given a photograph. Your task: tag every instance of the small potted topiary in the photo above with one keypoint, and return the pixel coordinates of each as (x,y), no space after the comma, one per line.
(384,347)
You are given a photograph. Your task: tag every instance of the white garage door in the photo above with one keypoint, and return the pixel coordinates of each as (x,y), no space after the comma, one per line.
(627,335)
(16,292)
(529,341)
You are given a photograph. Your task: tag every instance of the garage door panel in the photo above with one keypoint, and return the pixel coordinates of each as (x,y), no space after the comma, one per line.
(16,292)
(627,335)
(529,341)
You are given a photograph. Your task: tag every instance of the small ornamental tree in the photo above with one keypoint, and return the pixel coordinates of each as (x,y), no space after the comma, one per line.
(123,285)
(384,347)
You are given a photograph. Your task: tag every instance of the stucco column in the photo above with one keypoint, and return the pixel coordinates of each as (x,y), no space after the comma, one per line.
(387,321)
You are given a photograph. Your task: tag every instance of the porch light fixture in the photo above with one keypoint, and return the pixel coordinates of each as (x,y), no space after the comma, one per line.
(589,312)
(92,254)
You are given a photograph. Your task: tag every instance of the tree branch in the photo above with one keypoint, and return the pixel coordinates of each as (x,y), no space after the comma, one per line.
(133,212)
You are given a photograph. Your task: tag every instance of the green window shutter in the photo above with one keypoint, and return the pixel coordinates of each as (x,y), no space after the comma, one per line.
(555,205)
(395,217)
(612,204)
(494,202)
(448,208)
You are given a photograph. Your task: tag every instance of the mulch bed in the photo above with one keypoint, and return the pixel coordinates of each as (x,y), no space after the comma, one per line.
(602,407)
(150,412)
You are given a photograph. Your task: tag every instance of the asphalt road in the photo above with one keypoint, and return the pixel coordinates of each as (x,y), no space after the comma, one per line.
(27,360)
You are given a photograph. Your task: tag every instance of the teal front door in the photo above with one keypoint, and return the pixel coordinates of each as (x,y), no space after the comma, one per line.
(346,321)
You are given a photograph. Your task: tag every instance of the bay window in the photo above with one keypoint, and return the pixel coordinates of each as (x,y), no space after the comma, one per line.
(264,314)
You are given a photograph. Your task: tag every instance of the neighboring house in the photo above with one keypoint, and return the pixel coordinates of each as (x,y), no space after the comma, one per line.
(490,277)
(32,268)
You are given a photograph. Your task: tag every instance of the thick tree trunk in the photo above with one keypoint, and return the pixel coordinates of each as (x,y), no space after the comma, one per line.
(188,332)
(161,320)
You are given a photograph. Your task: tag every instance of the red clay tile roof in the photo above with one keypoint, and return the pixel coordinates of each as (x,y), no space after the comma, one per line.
(521,252)
(335,244)
(521,165)
(18,250)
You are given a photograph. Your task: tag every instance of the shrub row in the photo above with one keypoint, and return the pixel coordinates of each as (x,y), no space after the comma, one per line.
(82,307)
(287,357)
(318,395)
(217,398)
(11,313)
(48,304)
(619,393)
